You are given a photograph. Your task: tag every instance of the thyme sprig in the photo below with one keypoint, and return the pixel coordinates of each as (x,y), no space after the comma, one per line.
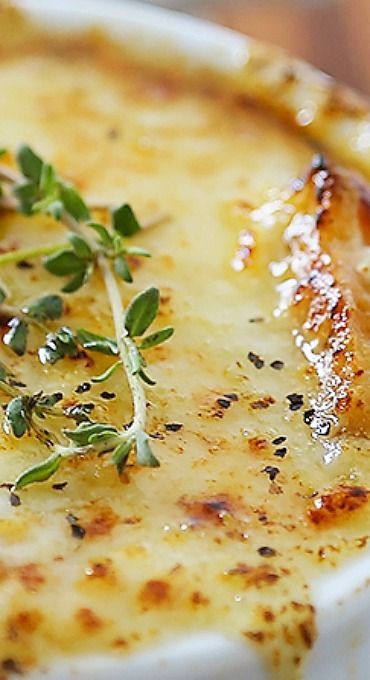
(92,246)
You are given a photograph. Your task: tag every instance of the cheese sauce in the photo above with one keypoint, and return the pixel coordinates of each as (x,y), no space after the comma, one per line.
(246,509)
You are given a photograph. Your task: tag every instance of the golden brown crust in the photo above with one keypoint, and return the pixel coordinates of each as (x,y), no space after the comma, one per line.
(335,507)
(328,286)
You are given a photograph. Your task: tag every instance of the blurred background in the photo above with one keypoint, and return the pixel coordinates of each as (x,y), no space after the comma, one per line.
(331,34)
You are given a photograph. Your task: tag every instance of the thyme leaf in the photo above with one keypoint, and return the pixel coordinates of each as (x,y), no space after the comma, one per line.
(105,239)
(142,311)
(78,280)
(26,194)
(80,247)
(62,343)
(146,378)
(137,250)
(156,338)
(122,269)
(16,419)
(121,454)
(40,472)
(124,221)
(48,182)
(30,163)
(73,203)
(48,307)
(16,336)
(107,373)
(83,435)
(97,343)
(63,263)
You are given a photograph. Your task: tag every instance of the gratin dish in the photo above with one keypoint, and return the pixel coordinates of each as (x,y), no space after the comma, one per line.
(342,598)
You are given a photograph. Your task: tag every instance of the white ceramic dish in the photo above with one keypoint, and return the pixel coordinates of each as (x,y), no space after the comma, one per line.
(342,600)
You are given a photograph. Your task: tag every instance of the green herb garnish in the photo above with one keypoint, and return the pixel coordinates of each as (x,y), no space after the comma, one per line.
(16,336)
(107,373)
(48,307)
(58,345)
(90,246)
(97,343)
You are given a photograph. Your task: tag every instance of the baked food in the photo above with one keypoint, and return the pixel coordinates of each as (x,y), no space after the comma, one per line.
(229,532)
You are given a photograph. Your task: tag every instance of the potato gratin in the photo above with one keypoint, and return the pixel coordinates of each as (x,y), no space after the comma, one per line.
(260,412)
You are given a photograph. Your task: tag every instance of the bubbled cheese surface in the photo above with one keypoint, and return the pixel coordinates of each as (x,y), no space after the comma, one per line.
(209,541)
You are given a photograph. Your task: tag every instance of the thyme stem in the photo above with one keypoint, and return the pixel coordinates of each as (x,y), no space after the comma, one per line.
(123,341)
(14,256)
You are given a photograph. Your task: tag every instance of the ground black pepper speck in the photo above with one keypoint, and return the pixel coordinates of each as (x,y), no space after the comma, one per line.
(281,453)
(107,395)
(24,264)
(295,401)
(84,387)
(271,471)
(279,440)
(224,403)
(59,486)
(173,427)
(256,360)
(265,551)
(231,396)
(14,499)
(277,365)
(77,530)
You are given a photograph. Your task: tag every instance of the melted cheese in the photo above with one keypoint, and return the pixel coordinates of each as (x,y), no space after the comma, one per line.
(230,531)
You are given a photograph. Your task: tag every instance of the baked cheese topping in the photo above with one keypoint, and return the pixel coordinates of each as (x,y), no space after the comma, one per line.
(259,417)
